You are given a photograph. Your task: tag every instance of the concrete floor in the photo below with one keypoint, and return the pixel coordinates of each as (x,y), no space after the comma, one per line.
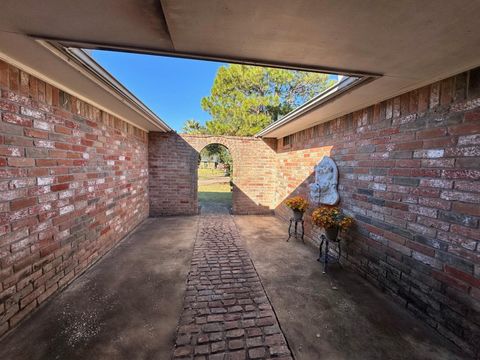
(126,306)
(333,316)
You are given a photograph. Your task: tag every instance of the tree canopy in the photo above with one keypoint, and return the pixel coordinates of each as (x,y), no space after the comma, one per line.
(245,99)
(192,126)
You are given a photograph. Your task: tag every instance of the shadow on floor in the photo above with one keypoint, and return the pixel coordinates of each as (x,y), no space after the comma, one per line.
(126,306)
(333,316)
(215,202)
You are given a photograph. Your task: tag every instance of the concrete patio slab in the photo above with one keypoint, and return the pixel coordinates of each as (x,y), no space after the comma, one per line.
(334,316)
(126,306)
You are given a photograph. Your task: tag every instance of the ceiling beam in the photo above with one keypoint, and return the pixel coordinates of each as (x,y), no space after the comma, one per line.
(199,56)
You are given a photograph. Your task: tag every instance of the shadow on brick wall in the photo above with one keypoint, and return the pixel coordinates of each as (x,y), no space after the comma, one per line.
(244,205)
(409,172)
(173,178)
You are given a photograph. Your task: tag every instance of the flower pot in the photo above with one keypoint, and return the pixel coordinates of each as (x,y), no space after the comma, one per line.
(332,233)
(297,215)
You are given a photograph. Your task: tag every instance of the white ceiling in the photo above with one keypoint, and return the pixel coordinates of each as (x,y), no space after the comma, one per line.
(409,43)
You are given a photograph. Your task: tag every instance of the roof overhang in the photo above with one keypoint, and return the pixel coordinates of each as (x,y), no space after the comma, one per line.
(75,72)
(402,45)
(86,65)
(334,92)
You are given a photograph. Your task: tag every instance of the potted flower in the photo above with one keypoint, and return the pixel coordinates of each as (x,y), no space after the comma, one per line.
(332,219)
(298,205)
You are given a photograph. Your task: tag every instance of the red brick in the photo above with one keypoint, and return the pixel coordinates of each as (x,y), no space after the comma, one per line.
(63,130)
(473,116)
(475,293)
(413,145)
(17,119)
(11,151)
(8,106)
(421,163)
(468,232)
(34,113)
(431,133)
(46,162)
(468,186)
(465,208)
(14,78)
(462,276)
(423,98)
(59,187)
(426,172)
(31,200)
(408,163)
(23,313)
(451,281)
(460,196)
(22,203)
(368,152)
(437,183)
(4,83)
(36,133)
(421,248)
(438,163)
(461,174)
(435,203)
(465,129)
(17,141)
(21,162)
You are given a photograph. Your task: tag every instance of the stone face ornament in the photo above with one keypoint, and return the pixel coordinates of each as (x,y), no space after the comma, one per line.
(324,189)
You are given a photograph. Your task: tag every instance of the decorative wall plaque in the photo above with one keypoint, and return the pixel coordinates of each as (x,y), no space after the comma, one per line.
(324,189)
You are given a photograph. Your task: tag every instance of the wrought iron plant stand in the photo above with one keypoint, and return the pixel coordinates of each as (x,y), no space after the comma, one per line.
(295,222)
(331,235)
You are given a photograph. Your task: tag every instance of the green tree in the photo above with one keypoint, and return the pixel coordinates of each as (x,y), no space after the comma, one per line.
(244,99)
(224,156)
(192,126)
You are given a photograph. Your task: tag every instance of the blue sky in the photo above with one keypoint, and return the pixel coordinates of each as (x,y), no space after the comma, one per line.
(171,87)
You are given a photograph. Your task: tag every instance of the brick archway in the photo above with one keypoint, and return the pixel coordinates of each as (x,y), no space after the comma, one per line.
(173,160)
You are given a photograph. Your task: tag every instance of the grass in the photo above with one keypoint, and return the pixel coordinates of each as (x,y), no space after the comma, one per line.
(219,193)
(209,173)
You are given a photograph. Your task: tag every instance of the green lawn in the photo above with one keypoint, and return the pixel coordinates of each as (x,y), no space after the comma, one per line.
(219,193)
(209,173)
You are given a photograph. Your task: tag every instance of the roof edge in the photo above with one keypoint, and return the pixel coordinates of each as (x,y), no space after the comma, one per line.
(324,97)
(84,63)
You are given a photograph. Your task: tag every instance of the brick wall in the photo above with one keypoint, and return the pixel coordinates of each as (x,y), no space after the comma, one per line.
(173,161)
(73,182)
(173,171)
(409,173)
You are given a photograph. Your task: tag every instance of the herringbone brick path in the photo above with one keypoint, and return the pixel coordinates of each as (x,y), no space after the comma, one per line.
(226,314)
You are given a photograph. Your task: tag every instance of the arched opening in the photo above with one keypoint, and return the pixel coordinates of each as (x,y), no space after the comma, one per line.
(215,171)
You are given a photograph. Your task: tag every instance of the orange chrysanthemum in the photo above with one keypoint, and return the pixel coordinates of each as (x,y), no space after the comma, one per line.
(329,217)
(297,203)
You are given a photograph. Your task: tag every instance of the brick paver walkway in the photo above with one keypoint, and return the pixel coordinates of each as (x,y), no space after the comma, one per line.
(226,314)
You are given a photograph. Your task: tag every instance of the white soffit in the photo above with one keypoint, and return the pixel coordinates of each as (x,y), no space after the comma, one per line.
(407,39)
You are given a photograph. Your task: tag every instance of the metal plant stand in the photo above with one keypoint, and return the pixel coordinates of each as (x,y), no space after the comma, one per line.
(327,258)
(294,233)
